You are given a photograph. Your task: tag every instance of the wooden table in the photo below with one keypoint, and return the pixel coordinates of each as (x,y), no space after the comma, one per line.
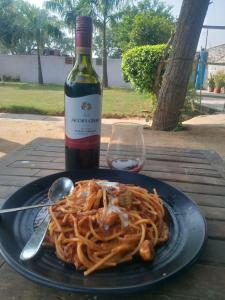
(200,174)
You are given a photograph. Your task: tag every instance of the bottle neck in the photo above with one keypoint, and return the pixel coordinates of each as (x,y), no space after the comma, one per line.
(83,56)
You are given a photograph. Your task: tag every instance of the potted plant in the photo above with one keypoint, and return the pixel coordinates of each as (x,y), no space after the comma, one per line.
(211,83)
(223,85)
(219,81)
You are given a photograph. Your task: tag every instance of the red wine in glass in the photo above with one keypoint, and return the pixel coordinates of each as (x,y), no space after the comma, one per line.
(133,165)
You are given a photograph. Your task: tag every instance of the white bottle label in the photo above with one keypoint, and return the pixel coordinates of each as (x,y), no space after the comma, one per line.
(82,116)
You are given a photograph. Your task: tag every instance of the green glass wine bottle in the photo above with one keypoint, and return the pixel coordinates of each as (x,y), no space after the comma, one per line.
(82,104)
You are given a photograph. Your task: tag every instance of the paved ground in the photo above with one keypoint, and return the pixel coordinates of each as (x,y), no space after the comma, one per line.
(213,100)
(202,132)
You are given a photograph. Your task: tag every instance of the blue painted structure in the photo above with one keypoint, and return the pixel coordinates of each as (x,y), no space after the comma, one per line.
(203,56)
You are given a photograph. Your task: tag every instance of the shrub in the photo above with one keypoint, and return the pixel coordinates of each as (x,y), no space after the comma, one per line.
(211,81)
(139,66)
(219,78)
(10,78)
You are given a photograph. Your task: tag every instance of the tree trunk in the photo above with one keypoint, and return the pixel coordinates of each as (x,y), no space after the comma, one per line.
(175,80)
(104,58)
(162,65)
(40,76)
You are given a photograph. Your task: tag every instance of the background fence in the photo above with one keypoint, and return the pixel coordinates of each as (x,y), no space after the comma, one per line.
(54,68)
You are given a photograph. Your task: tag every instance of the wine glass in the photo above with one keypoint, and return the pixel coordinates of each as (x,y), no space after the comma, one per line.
(126,149)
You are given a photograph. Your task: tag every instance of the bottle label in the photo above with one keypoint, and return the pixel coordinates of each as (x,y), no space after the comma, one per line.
(83,50)
(83,121)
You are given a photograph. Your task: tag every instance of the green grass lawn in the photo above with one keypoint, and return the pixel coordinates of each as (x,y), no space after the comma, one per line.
(49,99)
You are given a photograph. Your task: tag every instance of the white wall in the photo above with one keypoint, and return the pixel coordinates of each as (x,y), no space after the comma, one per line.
(211,69)
(54,69)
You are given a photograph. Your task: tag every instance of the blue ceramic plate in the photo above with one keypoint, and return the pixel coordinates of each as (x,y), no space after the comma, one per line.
(187,237)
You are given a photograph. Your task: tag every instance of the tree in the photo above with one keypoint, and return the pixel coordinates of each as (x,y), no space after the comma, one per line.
(41,28)
(149,29)
(156,7)
(126,31)
(11,26)
(121,30)
(112,50)
(117,36)
(18,28)
(103,13)
(175,80)
(69,10)
(64,44)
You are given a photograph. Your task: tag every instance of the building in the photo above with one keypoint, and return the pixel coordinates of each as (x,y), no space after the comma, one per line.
(216,60)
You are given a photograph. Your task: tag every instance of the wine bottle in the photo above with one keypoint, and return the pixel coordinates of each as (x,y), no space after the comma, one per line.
(82,104)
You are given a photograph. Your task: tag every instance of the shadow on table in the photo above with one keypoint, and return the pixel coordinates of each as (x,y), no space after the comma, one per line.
(8,146)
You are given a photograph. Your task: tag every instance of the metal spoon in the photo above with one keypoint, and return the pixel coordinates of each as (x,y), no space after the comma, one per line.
(60,188)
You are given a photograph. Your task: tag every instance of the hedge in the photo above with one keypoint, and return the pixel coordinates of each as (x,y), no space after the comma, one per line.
(139,66)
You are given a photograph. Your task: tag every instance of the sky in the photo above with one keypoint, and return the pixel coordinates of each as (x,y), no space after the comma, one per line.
(215,16)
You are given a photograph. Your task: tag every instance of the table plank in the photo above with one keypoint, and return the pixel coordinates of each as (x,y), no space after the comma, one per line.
(174,158)
(175,152)
(46,142)
(193,284)
(1,201)
(44,172)
(37,165)
(1,261)
(184,172)
(198,188)
(6,191)
(35,152)
(207,200)
(19,181)
(40,158)
(17,171)
(216,161)
(185,178)
(168,156)
(214,213)
(166,168)
(216,229)
(170,164)
(213,252)
(48,148)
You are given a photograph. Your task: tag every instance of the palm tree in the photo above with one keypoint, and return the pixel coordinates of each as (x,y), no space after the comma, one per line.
(41,28)
(68,10)
(104,12)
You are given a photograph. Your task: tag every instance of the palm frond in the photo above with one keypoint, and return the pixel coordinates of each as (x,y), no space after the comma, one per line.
(56,6)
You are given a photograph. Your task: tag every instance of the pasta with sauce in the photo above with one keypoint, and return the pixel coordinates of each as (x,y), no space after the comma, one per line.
(100,226)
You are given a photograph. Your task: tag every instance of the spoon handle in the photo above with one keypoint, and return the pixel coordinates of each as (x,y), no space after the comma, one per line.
(7,210)
(34,243)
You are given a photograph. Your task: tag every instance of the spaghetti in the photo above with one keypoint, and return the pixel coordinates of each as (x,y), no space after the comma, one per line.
(100,226)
